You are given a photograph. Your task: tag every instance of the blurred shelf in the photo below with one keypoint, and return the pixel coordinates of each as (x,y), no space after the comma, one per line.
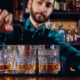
(60,15)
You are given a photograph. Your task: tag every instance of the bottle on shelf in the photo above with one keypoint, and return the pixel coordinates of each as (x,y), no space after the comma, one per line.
(78,29)
(63,5)
(72,35)
(55,6)
(71,69)
(58,6)
(70,5)
(75,35)
(48,25)
(78,39)
(61,32)
(77,6)
(71,38)
(54,27)
(68,35)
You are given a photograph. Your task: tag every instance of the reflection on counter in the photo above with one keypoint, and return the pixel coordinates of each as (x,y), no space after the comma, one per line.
(39,78)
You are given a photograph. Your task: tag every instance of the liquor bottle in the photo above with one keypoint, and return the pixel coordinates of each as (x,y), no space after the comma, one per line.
(68,35)
(71,69)
(48,24)
(75,36)
(61,32)
(78,39)
(68,30)
(72,34)
(70,5)
(77,6)
(55,6)
(73,30)
(58,7)
(63,5)
(54,27)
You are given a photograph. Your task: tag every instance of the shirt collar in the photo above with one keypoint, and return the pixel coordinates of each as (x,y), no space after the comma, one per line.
(29,26)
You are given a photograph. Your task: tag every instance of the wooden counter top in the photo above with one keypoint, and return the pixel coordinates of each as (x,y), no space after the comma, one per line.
(39,78)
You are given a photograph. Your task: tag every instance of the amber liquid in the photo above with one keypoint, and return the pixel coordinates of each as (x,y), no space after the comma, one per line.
(6,67)
(49,67)
(26,67)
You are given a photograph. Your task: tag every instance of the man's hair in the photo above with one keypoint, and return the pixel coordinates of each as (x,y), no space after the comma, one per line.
(54,0)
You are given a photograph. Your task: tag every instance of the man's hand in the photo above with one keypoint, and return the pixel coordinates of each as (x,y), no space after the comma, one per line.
(5,21)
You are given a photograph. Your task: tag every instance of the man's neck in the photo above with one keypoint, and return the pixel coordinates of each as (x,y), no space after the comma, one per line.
(35,24)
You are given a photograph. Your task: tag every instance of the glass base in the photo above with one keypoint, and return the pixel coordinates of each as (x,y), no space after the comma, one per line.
(48,72)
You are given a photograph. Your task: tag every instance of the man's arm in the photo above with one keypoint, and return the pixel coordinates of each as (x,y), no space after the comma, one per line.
(15,36)
(68,54)
(10,30)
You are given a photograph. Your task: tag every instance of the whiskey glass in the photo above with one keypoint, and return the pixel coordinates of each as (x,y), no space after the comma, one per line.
(48,58)
(26,59)
(8,59)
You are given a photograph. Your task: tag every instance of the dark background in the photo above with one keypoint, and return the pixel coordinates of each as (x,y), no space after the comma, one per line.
(6,4)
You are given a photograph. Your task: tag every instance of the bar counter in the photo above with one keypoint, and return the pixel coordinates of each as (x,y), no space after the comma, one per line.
(39,78)
(61,76)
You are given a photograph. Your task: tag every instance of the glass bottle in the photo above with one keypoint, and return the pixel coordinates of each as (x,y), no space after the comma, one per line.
(70,5)
(61,32)
(75,36)
(77,6)
(68,35)
(58,7)
(55,6)
(48,24)
(63,5)
(72,34)
(54,26)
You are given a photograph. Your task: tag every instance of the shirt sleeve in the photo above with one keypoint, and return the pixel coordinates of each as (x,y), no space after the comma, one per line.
(13,37)
(68,54)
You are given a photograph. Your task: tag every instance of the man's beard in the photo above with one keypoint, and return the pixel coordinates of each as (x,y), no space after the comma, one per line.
(39,19)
